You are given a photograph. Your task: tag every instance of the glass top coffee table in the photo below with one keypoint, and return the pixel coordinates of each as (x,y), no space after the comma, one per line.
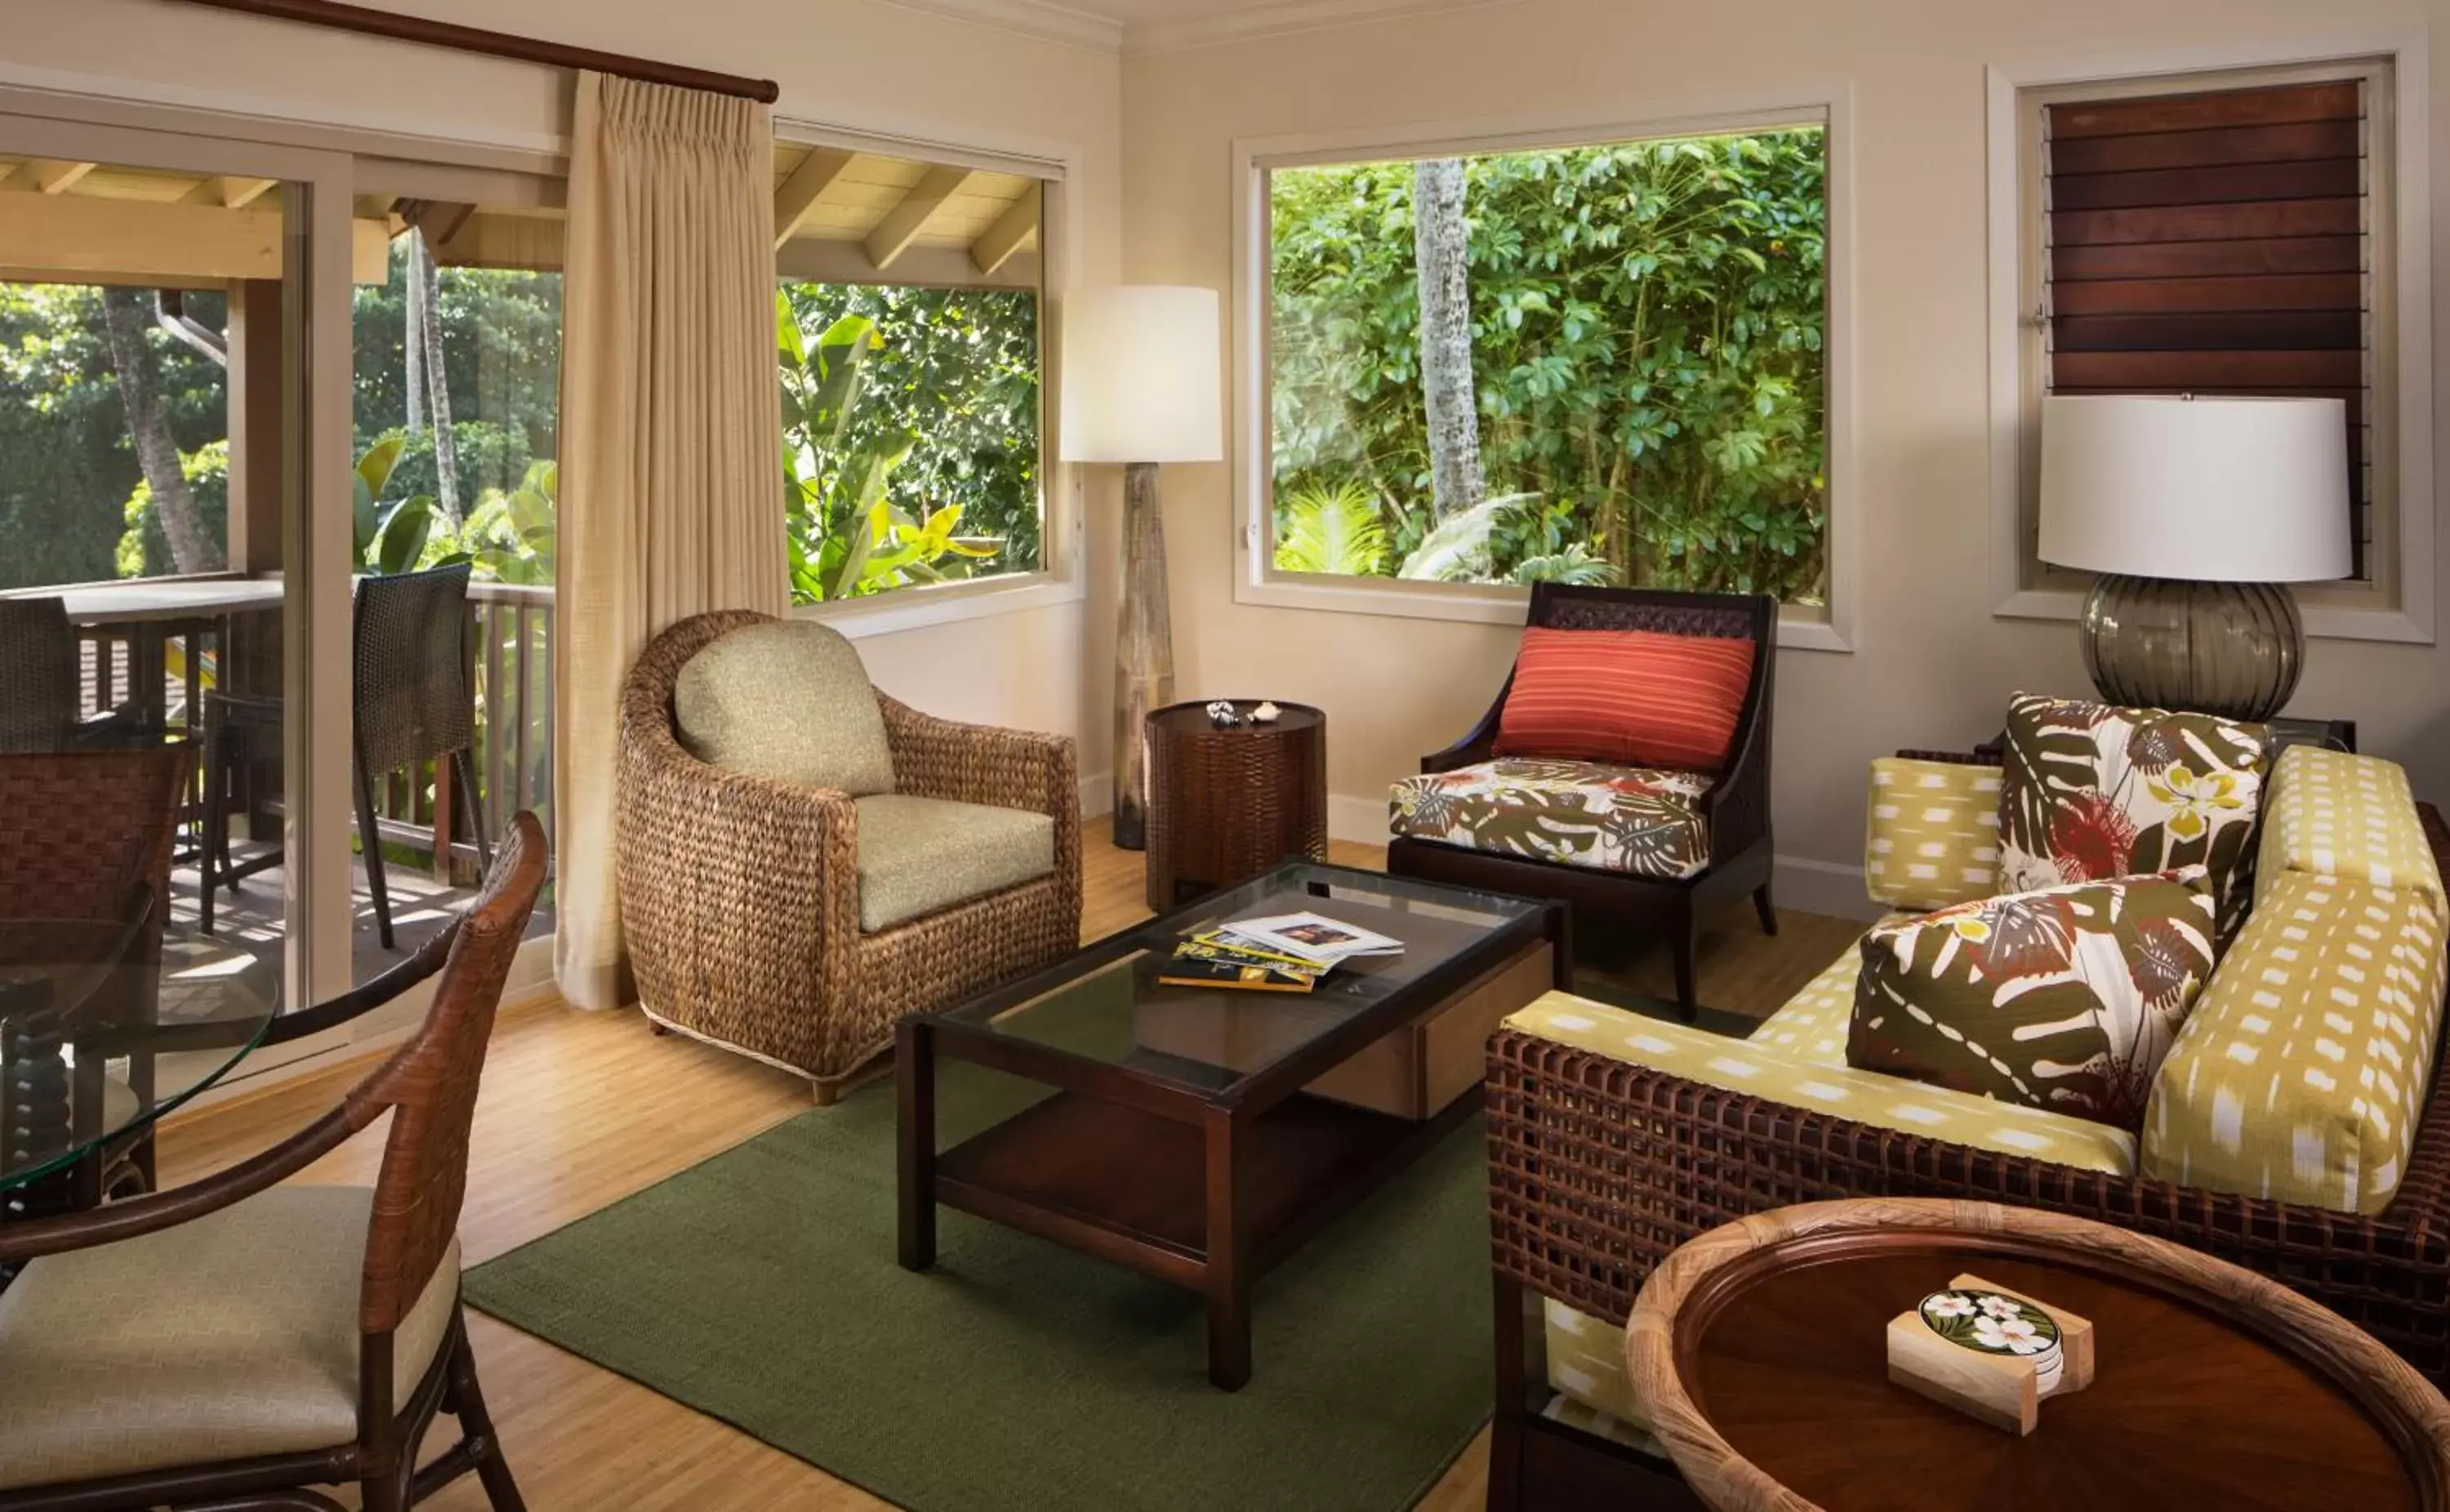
(1201,1135)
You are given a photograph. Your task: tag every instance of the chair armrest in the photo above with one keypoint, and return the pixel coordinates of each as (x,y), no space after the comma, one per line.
(987,763)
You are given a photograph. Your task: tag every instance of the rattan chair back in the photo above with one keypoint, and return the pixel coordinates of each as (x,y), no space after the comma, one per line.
(411,668)
(38,675)
(80,831)
(430,1085)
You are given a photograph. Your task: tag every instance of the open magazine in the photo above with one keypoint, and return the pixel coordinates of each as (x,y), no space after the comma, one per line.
(1282,953)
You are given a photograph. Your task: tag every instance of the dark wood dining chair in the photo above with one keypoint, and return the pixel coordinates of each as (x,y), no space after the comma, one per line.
(240,1341)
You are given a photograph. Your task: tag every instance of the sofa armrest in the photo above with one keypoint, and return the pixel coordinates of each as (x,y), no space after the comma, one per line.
(985,764)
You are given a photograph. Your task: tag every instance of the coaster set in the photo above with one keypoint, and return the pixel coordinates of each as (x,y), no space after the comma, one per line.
(1989,1352)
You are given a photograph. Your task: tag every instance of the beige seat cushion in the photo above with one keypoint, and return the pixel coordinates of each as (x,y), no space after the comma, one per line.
(786,699)
(919,855)
(226,1338)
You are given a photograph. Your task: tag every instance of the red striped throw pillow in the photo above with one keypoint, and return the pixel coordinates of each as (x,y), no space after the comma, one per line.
(1628,698)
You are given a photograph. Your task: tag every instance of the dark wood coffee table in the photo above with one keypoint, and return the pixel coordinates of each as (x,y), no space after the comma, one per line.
(1760,1350)
(1201,1135)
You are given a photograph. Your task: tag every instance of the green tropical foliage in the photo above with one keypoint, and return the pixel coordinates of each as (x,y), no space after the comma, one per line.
(1646,330)
(875,436)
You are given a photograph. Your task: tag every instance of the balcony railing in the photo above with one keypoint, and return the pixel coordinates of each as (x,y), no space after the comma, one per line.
(510,641)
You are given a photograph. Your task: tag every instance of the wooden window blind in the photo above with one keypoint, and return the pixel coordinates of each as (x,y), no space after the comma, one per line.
(2215,242)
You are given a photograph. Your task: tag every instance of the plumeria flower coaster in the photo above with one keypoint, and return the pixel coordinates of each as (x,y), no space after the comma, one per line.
(1989,1323)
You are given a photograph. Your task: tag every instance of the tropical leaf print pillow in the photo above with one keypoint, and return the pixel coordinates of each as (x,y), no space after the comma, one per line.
(2064,999)
(2090,791)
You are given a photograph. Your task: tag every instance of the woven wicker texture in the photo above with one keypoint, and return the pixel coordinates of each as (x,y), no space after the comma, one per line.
(38,677)
(411,668)
(1226,804)
(1599,1168)
(740,896)
(430,1085)
(79,831)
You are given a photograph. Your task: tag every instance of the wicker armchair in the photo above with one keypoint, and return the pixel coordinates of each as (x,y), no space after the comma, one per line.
(1600,1167)
(1736,807)
(740,895)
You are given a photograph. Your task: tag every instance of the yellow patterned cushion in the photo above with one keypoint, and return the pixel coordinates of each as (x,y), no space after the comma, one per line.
(1586,1365)
(1930,835)
(1866,1096)
(1812,1025)
(2337,815)
(2304,1068)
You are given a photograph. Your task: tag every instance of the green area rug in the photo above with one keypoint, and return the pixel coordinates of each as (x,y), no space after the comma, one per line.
(760,1286)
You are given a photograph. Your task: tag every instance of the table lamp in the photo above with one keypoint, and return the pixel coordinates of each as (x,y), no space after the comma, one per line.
(1141,387)
(2197,513)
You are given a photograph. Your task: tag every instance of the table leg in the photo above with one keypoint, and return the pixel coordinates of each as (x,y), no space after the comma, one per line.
(1229,1255)
(914,1081)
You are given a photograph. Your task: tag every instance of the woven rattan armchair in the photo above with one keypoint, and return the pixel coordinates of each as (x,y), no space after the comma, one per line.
(1614,905)
(740,895)
(1600,1167)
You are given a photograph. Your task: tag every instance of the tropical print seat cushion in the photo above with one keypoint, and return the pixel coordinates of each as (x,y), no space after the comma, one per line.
(1624,819)
(2066,998)
(2090,792)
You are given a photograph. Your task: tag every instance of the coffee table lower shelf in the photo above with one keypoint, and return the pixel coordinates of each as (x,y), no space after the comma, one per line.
(1210,1205)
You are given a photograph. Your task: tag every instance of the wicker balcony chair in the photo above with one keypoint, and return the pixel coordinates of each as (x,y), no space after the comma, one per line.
(1734,811)
(242,1340)
(740,895)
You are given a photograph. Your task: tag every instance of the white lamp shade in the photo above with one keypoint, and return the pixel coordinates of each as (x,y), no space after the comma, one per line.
(1141,376)
(2212,490)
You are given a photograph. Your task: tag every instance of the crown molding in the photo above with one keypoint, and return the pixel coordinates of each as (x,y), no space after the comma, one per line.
(1048,22)
(1038,19)
(1276,19)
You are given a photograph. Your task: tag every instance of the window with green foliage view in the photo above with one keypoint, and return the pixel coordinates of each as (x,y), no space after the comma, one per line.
(1595,365)
(910,442)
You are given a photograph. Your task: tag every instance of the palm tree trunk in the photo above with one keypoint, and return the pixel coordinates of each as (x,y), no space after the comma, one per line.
(437,381)
(192,548)
(1441,266)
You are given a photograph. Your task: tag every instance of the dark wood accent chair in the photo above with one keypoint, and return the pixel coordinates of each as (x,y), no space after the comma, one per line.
(1736,807)
(237,1342)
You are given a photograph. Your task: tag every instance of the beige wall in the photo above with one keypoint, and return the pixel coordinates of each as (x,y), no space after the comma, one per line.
(850,63)
(1931,666)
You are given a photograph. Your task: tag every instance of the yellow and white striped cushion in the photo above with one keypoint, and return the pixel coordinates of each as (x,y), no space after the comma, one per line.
(1930,833)
(1812,1024)
(2303,1070)
(2333,814)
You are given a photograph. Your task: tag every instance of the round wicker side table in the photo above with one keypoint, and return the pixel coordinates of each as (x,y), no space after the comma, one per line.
(1226,804)
(1760,1350)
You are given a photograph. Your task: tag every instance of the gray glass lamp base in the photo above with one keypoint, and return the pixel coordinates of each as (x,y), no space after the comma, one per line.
(2228,649)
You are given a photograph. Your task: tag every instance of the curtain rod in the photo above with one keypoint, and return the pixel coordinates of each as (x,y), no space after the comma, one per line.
(497,44)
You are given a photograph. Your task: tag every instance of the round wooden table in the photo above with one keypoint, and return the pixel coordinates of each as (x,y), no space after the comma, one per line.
(1227,804)
(1760,1348)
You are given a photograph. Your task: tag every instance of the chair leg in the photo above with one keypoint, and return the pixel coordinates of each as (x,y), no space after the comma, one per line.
(1767,910)
(1682,943)
(370,838)
(462,1399)
(467,769)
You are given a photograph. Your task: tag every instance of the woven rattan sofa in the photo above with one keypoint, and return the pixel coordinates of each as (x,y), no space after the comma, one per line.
(741,894)
(1615,1137)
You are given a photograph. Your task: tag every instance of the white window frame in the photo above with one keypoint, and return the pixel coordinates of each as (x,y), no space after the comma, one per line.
(1060,575)
(1800,627)
(2406,347)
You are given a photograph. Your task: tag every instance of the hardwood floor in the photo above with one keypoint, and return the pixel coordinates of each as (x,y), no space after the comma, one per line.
(579,1110)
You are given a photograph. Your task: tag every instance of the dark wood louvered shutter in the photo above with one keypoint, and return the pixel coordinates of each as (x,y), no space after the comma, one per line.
(2214,243)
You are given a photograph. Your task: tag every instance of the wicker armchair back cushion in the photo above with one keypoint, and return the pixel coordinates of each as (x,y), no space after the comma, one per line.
(1930,833)
(920,855)
(786,699)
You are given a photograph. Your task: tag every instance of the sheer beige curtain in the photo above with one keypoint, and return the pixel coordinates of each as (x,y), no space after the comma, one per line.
(672,499)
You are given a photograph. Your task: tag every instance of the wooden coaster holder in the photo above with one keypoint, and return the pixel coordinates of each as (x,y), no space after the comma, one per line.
(2001,1390)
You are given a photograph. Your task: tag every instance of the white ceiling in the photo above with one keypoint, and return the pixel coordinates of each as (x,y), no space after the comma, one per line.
(1157,26)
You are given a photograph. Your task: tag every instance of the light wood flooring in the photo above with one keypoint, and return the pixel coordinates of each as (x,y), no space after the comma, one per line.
(581,1109)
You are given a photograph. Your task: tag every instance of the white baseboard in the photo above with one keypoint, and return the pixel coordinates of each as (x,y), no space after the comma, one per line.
(1822,887)
(1361,820)
(1096,795)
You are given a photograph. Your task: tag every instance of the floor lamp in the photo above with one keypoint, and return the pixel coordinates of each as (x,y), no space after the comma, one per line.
(1141,387)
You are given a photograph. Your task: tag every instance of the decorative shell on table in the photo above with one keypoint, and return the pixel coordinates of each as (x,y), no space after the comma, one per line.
(1266,713)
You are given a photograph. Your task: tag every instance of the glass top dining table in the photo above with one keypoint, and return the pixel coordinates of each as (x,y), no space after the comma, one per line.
(97,1040)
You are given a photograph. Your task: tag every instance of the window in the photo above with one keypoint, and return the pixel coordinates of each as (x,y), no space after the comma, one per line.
(907,328)
(2224,232)
(1584,363)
